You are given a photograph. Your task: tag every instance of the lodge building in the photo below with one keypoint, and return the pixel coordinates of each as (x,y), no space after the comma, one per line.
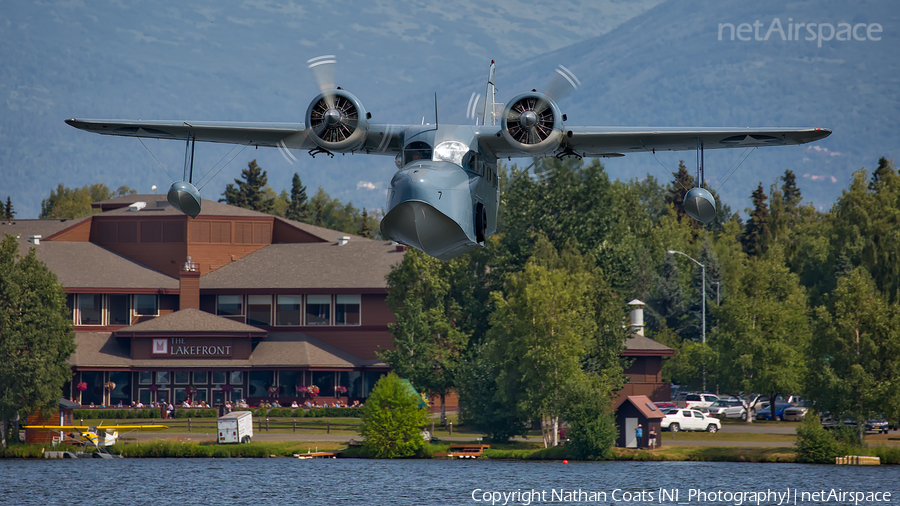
(233,304)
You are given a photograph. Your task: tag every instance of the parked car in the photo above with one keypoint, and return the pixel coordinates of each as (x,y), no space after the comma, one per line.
(689,419)
(796,413)
(878,425)
(766,412)
(718,408)
(665,405)
(699,400)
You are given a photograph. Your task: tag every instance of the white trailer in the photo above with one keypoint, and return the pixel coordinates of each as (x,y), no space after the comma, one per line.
(236,427)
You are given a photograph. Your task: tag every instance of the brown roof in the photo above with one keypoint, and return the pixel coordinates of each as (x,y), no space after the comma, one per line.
(102,349)
(643,403)
(86,265)
(361,263)
(189,320)
(43,228)
(642,345)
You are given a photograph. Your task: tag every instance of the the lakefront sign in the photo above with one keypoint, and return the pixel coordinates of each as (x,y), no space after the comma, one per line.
(177,347)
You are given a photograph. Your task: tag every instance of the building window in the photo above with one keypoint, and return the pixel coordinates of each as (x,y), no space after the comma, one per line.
(70,303)
(162,377)
(181,395)
(288,381)
(146,305)
(346,310)
(200,377)
(230,305)
(237,378)
(237,394)
(325,381)
(260,381)
(259,310)
(287,312)
(200,396)
(145,378)
(218,377)
(119,312)
(90,307)
(318,309)
(353,380)
(372,377)
(144,396)
(182,378)
(122,392)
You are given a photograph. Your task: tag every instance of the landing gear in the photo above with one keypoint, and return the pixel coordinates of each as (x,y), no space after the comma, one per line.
(480,222)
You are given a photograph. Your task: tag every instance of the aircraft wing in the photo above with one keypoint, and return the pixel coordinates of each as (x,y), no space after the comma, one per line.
(381,139)
(619,141)
(98,427)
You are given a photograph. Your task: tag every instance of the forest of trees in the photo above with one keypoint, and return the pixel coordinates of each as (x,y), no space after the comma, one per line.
(251,191)
(798,301)
(531,327)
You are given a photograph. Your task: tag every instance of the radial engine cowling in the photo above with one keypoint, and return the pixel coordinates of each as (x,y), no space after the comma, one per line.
(532,123)
(337,121)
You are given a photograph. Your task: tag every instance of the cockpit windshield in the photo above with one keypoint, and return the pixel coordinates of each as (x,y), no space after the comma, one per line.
(457,153)
(416,151)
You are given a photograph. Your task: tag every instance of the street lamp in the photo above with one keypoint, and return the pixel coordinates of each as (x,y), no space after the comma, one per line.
(702,304)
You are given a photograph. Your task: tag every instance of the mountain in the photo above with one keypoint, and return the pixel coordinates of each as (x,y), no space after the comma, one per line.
(641,63)
(236,60)
(667,67)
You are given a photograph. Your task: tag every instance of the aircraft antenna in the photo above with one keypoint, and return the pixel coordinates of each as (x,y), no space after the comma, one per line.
(435,112)
(490,98)
(154,159)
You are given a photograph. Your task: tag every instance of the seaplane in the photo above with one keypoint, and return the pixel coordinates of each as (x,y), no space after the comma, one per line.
(444,197)
(98,436)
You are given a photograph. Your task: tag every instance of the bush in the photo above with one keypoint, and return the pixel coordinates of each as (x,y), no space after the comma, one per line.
(818,445)
(393,420)
(591,426)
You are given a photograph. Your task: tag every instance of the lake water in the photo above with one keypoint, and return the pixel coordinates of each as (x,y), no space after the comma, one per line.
(285,481)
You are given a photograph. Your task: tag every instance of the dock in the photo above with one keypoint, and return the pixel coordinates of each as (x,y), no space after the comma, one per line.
(858,460)
(317,455)
(464,451)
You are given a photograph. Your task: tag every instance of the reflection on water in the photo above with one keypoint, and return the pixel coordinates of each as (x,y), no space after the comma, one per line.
(282,481)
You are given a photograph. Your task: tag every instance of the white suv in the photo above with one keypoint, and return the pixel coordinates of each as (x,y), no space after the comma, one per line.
(689,419)
(699,400)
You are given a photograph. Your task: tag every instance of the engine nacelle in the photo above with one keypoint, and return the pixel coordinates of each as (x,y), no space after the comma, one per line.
(531,122)
(337,121)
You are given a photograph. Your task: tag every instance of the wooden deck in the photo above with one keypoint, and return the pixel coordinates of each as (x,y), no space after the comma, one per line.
(317,455)
(464,451)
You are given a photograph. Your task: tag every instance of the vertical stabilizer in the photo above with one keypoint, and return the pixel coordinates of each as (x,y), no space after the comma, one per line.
(490,111)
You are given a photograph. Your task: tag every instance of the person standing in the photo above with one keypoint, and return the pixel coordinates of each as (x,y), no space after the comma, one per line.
(639,433)
(652,438)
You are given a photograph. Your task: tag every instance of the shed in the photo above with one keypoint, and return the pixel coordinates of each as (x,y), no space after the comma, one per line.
(62,416)
(634,410)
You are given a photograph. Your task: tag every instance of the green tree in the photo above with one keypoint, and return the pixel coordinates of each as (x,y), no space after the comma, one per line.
(591,427)
(485,403)
(392,419)
(756,234)
(298,208)
(428,343)
(764,330)
(538,334)
(68,203)
(251,193)
(364,228)
(678,188)
(856,352)
(8,211)
(36,337)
